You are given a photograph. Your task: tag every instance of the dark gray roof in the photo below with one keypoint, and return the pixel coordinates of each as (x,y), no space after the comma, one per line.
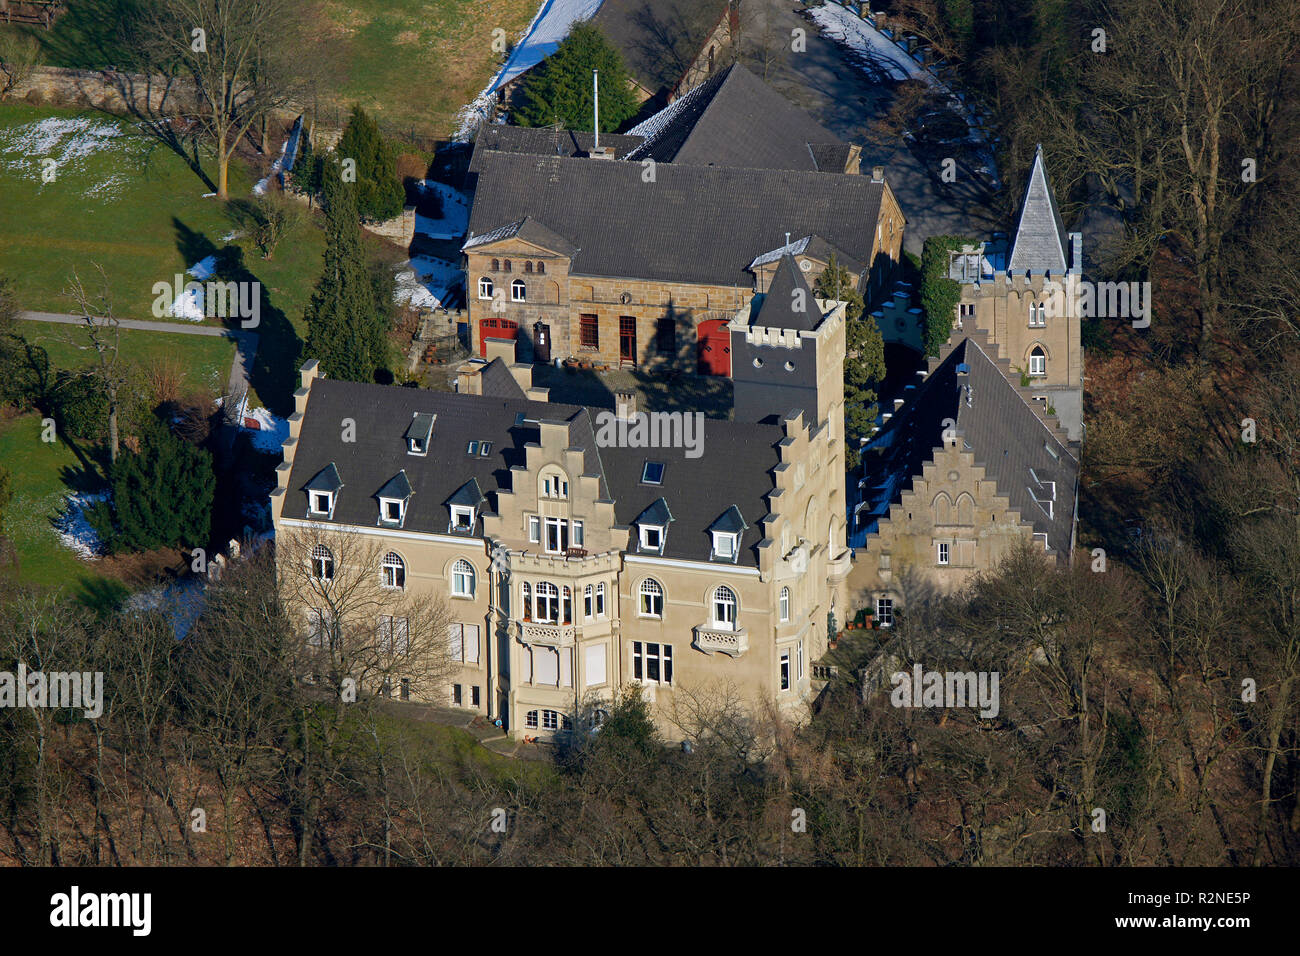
(692,224)
(467,494)
(529,230)
(735,119)
(497,382)
(327,479)
(545,141)
(995,420)
(420,427)
(1040,242)
(815,247)
(397,487)
(735,468)
(789,303)
(659,39)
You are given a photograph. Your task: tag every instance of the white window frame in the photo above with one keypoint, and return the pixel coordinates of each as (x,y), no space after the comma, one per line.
(530,720)
(535,529)
(464,579)
(312,501)
(1038,357)
(643,652)
(653,591)
(588,603)
(518,291)
(784,673)
(943,553)
(885,611)
(546,594)
(726,545)
(1038,315)
(649,529)
(724,608)
(459,512)
(385,565)
(561,527)
(385,503)
(784,605)
(576,536)
(485,288)
(325,571)
(600,600)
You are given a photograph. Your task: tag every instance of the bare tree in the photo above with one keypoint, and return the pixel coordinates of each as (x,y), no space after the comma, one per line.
(104,333)
(20,54)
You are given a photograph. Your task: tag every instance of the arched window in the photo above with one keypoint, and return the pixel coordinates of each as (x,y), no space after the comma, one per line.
(530,720)
(554,484)
(785,605)
(462,578)
(507,264)
(600,599)
(1037,362)
(541,267)
(965,509)
(496,265)
(528,267)
(1037,315)
(942,509)
(518,291)
(547,603)
(484,287)
(322,563)
(652,598)
(393,571)
(528,601)
(724,608)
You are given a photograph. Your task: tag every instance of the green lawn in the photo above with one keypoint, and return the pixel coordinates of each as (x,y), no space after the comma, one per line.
(125,201)
(415,63)
(206,360)
(42,474)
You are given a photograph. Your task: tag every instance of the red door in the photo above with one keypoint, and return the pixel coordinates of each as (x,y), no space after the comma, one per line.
(495,329)
(714,353)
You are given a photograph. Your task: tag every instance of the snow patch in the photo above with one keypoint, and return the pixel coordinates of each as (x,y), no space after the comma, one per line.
(455,212)
(284,163)
(74,531)
(428,283)
(189,304)
(554,20)
(70,143)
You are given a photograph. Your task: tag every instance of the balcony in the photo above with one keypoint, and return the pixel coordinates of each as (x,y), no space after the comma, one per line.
(838,567)
(550,635)
(712,640)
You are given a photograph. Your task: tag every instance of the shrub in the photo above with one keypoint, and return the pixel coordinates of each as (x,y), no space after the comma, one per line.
(378,191)
(939,294)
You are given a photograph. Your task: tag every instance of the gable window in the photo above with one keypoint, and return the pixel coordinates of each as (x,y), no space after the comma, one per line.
(885,611)
(785,605)
(725,544)
(462,578)
(541,267)
(322,563)
(942,556)
(528,267)
(589,326)
(462,518)
(496,265)
(666,336)
(484,287)
(555,486)
(724,608)
(652,662)
(1037,362)
(1037,315)
(652,537)
(507,265)
(393,571)
(653,473)
(652,598)
(557,535)
(322,502)
(518,291)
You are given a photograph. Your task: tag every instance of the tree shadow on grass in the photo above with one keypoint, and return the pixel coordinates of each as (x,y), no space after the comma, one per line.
(101,595)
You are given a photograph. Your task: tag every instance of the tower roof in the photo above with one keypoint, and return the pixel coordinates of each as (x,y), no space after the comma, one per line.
(789,303)
(1040,242)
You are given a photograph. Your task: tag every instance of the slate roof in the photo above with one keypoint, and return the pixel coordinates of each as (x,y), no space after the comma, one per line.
(815,247)
(529,230)
(730,521)
(701,224)
(995,420)
(735,468)
(497,382)
(659,39)
(397,487)
(545,141)
(777,310)
(735,119)
(657,514)
(1040,241)
(327,479)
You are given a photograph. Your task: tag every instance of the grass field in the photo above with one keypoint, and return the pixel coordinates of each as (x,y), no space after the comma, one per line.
(205,360)
(42,474)
(414,63)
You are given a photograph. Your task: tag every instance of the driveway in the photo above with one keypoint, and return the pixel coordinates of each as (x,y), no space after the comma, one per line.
(838,94)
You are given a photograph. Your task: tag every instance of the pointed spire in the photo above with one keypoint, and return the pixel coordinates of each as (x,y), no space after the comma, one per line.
(789,302)
(1040,242)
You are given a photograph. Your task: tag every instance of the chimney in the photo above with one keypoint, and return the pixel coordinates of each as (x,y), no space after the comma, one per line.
(877,174)
(624,405)
(601,152)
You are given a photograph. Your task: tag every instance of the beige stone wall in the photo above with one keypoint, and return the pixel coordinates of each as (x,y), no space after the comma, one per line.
(1002,310)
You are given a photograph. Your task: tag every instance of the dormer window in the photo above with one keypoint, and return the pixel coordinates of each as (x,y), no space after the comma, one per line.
(725,545)
(652,537)
(391,510)
(418,433)
(322,492)
(392,500)
(322,502)
(462,519)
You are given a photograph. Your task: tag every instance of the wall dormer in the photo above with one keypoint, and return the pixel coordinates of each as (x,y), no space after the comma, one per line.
(652,527)
(322,492)
(726,533)
(464,507)
(393,500)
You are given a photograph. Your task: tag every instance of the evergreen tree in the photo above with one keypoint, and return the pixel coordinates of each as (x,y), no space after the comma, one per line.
(864,358)
(378,191)
(346,325)
(162,494)
(559,88)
